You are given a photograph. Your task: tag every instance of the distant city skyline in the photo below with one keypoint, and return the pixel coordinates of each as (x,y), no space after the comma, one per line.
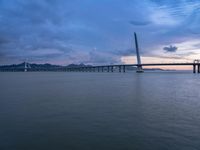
(98,32)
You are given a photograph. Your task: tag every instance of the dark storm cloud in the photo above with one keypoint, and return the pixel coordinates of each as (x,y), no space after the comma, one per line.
(170,48)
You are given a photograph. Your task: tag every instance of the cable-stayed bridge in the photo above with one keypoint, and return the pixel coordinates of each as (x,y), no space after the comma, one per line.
(122,67)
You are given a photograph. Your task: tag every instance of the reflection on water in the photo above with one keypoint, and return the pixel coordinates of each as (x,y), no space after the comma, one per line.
(99,111)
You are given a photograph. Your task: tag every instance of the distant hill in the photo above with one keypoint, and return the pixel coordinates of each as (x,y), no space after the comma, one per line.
(38,67)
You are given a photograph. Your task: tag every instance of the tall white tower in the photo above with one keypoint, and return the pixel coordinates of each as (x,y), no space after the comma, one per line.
(139,67)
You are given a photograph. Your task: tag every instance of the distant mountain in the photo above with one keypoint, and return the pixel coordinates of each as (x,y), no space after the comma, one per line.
(75,65)
(38,67)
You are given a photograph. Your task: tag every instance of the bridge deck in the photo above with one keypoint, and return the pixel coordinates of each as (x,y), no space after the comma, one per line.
(151,64)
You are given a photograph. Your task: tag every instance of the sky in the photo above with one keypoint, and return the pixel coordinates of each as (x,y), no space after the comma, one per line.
(99,31)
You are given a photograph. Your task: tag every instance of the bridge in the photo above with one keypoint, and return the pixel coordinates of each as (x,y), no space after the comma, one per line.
(139,66)
(122,67)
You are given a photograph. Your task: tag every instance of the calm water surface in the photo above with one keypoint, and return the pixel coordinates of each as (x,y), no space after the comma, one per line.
(99,111)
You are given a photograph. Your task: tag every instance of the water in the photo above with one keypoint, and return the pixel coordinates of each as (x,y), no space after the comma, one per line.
(99,111)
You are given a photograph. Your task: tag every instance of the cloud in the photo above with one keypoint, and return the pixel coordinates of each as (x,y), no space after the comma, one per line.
(34,28)
(139,23)
(3,41)
(126,52)
(170,49)
(96,57)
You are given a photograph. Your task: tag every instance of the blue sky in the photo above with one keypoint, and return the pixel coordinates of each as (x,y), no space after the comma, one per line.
(98,31)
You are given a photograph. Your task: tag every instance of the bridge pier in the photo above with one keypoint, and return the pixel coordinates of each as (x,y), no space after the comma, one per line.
(124,68)
(139,69)
(198,69)
(194,68)
(111,68)
(108,69)
(120,70)
(102,68)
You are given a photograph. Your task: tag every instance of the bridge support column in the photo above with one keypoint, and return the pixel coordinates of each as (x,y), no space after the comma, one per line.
(111,68)
(102,68)
(194,68)
(120,70)
(124,68)
(139,69)
(108,69)
(98,69)
(198,68)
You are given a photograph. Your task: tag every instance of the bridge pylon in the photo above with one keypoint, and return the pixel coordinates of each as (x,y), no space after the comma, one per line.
(139,66)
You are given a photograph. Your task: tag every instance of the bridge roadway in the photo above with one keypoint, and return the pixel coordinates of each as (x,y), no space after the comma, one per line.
(122,67)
